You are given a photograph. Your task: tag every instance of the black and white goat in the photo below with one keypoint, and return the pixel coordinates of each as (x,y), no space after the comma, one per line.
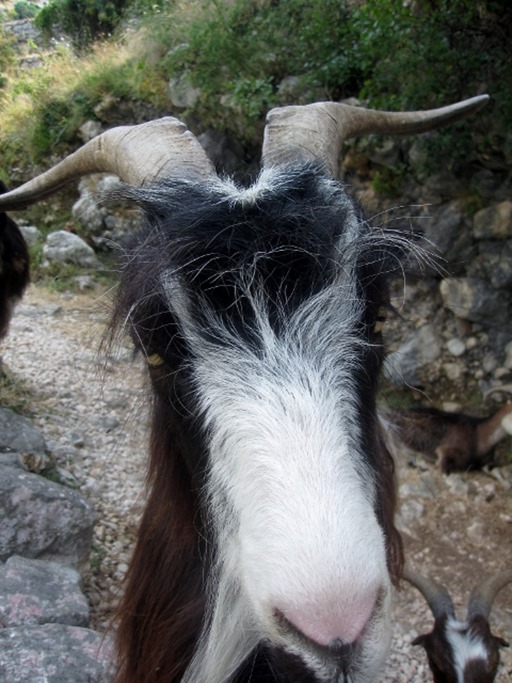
(267,550)
(461,651)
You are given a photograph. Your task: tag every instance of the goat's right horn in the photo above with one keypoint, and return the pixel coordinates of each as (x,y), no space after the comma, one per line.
(483,595)
(435,594)
(139,155)
(505,388)
(317,131)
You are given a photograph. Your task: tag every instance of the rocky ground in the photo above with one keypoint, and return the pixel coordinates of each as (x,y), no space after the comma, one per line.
(89,403)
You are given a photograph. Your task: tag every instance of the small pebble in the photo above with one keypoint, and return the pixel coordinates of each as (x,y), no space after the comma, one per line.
(456,347)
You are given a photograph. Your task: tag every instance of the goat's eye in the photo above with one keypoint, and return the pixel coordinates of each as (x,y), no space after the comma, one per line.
(154,360)
(382,314)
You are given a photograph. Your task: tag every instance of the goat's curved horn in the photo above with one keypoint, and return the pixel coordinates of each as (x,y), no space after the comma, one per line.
(483,595)
(317,131)
(505,388)
(437,596)
(139,155)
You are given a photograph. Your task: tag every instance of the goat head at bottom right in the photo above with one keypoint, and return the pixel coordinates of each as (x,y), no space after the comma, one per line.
(461,651)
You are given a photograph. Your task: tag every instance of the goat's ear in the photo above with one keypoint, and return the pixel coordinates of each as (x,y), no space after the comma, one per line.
(501,642)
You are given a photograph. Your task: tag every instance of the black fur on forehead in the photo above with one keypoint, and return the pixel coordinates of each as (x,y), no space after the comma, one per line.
(288,238)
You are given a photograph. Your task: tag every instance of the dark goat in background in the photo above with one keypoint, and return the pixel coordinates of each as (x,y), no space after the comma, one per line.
(461,651)
(267,550)
(455,441)
(14,267)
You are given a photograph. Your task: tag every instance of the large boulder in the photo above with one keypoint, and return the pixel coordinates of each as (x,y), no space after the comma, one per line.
(66,247)
(407,363)
(54,653)
(42,519)
(448,230)
(90,216)
(475,300)
(18,435)
(182,93)
(494,222)
(38,592)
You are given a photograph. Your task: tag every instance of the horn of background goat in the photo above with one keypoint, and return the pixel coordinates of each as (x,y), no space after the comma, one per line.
(504,388)
(139,155)
(316,132)
(483,595)
(435,594)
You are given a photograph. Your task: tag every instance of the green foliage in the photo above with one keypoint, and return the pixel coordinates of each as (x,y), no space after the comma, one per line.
(82,20)
(388,180)
(98,554)
(25,10)
(6,57)
(54,124)
(86,21)
(428,53)
(388,53)
(239,53)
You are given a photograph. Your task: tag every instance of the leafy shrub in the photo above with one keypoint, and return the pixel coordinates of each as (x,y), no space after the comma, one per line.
(82,20)
(6,56)
(239,53)
(25,10)
(388,53)
(54,125)
(432,52)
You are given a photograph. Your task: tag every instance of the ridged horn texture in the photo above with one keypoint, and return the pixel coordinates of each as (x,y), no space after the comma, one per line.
(504,388)
(483,595)
(437,596)
(316,132)
(139,155)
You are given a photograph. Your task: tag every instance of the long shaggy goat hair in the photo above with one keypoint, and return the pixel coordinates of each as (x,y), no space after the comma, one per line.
(250,305)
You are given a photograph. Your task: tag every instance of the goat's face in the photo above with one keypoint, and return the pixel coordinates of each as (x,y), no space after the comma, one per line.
(462,652)
(259,312)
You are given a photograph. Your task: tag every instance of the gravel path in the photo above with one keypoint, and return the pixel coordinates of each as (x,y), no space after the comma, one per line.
(90,407)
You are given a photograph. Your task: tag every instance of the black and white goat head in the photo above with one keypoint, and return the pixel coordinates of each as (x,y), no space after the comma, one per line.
(461,651)
(267,550)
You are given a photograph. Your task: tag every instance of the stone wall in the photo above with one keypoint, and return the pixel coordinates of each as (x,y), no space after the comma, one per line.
(45,540)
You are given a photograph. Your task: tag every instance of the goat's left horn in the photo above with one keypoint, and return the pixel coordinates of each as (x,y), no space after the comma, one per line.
(483,595)
(436,595)
(139,155)
(317,131)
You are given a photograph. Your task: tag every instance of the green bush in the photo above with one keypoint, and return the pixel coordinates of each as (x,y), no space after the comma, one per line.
(6,56)
(388,53)
(82,20)
(85,21)
(434,52)
(25,10)
(238,53)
